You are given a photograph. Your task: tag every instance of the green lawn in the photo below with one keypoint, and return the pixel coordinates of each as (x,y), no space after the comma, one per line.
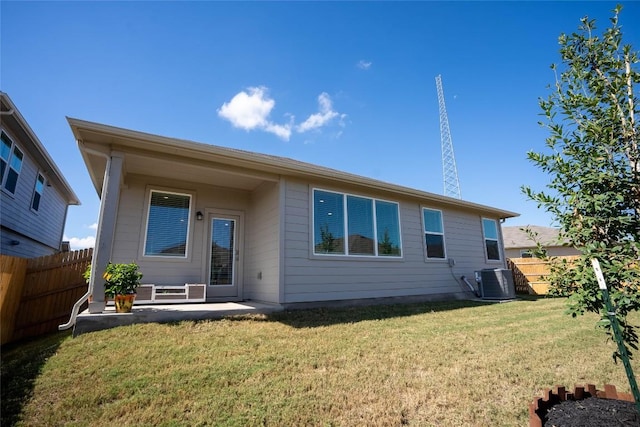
(444,364)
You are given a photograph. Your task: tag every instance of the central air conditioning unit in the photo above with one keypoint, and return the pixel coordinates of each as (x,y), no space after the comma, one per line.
(495,283)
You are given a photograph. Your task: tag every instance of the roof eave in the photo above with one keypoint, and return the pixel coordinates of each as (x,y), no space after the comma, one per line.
(282,166)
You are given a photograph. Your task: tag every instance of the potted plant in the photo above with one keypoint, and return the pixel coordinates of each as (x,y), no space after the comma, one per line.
(122,280)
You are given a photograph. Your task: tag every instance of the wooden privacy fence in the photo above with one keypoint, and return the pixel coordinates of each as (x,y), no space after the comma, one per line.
(37,294)
(530,274)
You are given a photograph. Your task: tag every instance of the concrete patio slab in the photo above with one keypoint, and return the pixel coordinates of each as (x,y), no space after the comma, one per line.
(167,313)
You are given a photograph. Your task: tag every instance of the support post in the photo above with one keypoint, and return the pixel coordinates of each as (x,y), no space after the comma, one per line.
(616,332)
(105,232)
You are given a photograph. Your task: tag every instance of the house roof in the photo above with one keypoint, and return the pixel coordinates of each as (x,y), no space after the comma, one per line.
(95,140)
(516,237)
(12,119)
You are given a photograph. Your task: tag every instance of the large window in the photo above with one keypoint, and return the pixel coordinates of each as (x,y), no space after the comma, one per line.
(10,163)
(167,224)
(433,233)
(353,225)
(490,229)
(37,193)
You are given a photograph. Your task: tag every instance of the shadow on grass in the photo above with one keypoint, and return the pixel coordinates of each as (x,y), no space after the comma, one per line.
(21,364)
(326,316)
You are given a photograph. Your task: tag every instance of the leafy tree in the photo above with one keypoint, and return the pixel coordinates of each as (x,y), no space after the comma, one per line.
(593,160)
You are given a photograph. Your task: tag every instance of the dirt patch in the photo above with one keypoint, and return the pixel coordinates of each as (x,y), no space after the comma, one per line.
(593,412)
(585,407)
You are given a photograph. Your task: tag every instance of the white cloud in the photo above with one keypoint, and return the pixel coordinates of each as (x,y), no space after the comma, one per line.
(94,226)
(364,65)
(250,110)
(80,242)
(320,118)
(283,131)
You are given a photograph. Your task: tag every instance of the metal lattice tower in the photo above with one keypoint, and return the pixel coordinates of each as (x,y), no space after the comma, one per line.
(449,170)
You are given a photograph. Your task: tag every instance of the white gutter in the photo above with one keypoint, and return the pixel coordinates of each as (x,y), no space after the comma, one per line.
(85,297)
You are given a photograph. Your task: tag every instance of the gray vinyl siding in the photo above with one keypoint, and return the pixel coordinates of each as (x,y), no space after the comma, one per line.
(262,266)
(27,248)
(310,277)
(39,232)
(131,224)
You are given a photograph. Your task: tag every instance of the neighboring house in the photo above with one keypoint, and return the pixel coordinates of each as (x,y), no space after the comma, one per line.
(35,195)
(518,244)
(249,226)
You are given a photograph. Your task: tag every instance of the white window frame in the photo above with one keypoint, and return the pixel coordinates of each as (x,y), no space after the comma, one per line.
(189,224)
(497,240)
(345,225)
(9,167)
(36,192)
(425,232)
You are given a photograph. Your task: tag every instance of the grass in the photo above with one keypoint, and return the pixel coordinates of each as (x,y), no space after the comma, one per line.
(458,363)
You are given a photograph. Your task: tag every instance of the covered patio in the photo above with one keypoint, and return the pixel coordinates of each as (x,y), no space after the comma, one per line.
(167,313)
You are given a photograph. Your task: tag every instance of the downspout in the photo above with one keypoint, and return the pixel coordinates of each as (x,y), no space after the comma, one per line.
(76,307)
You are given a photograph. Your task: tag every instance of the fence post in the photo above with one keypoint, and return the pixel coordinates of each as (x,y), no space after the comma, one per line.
(12,274)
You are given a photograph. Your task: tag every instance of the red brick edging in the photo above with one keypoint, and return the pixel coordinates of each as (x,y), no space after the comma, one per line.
(539,407)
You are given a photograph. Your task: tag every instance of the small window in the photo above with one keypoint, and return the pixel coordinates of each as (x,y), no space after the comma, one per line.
(526,253)
(490,229)
(167,224)
(11,163)
(37,193)
(433,233)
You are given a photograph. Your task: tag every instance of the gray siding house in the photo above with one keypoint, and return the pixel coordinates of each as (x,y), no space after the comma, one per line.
(34,194)
(249,226)
(518,244)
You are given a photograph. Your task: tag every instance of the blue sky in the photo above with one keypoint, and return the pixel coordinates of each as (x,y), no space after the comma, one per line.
(347,85)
